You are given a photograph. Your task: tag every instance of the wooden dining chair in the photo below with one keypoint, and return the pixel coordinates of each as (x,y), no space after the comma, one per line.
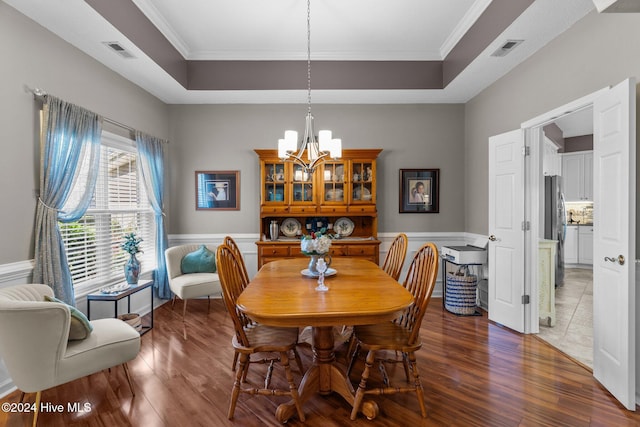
(251,337)
(228,240)
(394,261)
(392,265)
(236,250)
(400,335)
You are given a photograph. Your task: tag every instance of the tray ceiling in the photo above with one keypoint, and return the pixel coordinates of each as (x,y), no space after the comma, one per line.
(363,51)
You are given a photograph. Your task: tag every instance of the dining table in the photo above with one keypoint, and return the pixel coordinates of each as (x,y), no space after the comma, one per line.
(284,294)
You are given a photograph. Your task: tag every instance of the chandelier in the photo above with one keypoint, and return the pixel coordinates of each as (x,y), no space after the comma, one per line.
(317,149)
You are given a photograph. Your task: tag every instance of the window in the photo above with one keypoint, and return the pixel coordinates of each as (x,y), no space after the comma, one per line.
(119,205)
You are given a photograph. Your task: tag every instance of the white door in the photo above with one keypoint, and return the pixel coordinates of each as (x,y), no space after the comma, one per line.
(506,216)
(614,242)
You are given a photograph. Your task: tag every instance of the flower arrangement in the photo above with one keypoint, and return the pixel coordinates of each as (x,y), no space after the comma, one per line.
(131,243)
(317,243)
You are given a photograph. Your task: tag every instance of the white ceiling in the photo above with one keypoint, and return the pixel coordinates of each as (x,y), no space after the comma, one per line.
(276,30)
(576,124)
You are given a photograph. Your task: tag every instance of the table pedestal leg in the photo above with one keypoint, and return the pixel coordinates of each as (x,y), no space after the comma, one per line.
(324,377)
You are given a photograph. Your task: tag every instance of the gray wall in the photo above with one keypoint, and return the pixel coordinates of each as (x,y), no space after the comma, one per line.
(32,56)
(598,51)
(222,137)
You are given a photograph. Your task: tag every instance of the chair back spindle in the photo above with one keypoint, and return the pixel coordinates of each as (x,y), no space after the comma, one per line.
(420,281)
(228,240)
(233,281)
(396,255)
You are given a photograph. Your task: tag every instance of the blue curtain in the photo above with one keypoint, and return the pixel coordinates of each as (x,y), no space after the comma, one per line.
(151,167)
(69,156)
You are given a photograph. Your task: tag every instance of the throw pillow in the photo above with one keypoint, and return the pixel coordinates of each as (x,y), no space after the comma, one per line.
(80,327)
(201,260)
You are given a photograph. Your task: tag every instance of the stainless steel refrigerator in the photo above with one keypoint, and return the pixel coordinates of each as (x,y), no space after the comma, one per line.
(555,220)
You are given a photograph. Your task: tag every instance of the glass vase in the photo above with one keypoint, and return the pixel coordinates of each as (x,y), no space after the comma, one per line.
(132,270)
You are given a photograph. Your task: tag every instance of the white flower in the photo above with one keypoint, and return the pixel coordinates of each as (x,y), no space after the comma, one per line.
(307,245)
(323,244)
(319,245)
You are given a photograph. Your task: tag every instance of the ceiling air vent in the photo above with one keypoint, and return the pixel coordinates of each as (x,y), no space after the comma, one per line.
(507,47)
(117,48)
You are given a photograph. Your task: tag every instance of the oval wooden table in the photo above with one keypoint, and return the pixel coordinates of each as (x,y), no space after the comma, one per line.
(359,294)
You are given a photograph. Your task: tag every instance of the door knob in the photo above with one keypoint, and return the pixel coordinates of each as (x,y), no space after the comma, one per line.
(492,238)
(620,259)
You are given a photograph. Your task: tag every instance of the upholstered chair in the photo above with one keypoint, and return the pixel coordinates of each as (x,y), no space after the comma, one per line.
(36,347)
(192,285)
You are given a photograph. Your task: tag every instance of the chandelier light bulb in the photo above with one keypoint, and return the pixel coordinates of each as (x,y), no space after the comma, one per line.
(324,139)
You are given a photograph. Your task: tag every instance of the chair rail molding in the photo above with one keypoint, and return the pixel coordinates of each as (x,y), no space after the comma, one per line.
(16,273)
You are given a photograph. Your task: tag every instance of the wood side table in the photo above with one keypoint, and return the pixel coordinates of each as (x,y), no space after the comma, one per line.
(99,296)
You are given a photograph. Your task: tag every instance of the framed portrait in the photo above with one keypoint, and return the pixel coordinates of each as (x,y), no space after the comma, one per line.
(419,190)
(218,190)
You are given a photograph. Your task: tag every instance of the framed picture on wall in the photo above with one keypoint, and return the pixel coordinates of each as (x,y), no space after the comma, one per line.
(218,190)
(419,190)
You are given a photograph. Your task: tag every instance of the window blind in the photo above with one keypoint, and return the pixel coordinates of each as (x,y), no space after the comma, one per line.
(119,206)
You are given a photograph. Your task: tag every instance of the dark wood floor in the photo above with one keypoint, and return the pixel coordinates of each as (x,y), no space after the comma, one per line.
(475,373)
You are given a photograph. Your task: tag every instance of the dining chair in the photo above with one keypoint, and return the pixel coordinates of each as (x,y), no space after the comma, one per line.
(236,250)
(228,240)
(251,337)
(394,261)
(400,335)
(392,265)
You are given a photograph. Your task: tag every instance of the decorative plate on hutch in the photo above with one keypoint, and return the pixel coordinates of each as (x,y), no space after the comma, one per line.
(290,227)
(343,226)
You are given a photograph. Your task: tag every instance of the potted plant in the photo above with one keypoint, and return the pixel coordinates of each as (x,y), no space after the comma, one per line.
(131,245)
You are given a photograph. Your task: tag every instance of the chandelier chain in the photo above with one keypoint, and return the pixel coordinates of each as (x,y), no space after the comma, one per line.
(309,54)
(309,143)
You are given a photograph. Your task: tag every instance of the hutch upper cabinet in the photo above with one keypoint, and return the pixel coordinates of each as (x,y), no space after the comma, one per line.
(339,195)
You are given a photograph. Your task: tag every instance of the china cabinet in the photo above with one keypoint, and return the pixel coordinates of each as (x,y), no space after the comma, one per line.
(339,195)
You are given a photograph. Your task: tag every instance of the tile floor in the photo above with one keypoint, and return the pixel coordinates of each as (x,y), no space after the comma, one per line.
(573,331)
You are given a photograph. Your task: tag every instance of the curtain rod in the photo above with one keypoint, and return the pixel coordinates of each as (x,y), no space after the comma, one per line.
(40,94)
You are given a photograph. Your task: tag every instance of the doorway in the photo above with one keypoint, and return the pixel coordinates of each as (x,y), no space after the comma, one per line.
(568,156)
(614,178)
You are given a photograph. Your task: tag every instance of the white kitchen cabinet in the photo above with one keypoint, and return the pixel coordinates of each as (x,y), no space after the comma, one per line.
(585,244)
(577,174)
(571,245)
(552,160)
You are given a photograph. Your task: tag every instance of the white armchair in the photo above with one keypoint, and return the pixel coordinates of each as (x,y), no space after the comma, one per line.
(35,348)
(193,285)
